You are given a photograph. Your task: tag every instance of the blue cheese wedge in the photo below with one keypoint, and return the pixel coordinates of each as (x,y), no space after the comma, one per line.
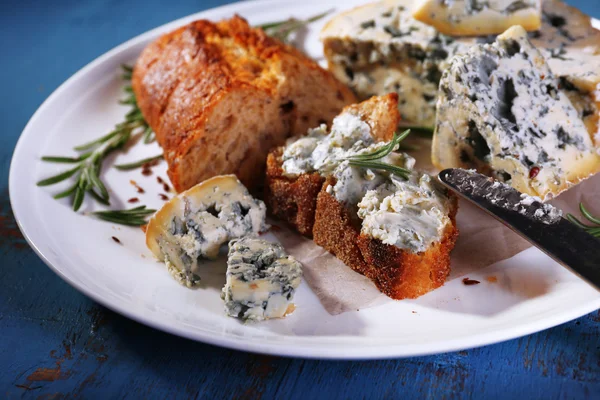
(500,111)
(479,17)
(410,214)
(194,225)
(380,48)
(261,280)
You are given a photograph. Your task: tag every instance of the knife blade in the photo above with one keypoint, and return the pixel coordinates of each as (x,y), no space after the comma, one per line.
(539,223)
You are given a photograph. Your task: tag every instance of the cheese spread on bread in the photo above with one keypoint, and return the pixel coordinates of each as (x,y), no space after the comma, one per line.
(261,280)
(410,214)
(194,225)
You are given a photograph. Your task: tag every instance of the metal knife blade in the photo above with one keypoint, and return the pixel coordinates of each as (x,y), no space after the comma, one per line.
(541,224)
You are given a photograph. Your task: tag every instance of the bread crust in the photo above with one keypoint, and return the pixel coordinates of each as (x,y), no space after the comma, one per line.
(220,95)
(397,273)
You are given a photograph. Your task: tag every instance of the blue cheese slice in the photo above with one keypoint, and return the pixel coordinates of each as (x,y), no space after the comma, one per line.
(500,110)
(261,280)
(194,225)
(479,17)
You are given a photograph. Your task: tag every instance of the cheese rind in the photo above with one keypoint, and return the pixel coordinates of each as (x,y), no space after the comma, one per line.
(476,17)
(500,110)
(261,280)
(194,225)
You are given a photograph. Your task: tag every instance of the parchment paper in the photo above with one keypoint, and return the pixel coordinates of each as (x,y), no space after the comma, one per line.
(482,241)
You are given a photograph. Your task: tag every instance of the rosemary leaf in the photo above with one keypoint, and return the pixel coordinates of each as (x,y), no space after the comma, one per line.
(593,230)
(283,29)
(60,177)
(66,160)
(66,193)
(384,151)
(420,130)
(138,164)
(401,172)
(132,217)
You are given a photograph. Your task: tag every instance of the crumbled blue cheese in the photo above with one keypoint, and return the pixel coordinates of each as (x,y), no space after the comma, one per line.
(261,280)
(409,214)
(500,110)
(195,224)
(478,17)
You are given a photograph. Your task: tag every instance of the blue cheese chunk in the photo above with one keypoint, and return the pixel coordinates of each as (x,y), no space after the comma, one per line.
(500,110)
(479,17)
(261,280)
(194,225)
(409,214)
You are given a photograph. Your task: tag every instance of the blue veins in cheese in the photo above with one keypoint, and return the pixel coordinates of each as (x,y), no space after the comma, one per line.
(195,224)
(500,111)
(261,280)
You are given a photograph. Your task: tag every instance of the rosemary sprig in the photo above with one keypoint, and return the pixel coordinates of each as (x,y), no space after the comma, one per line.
(138,164)
(133,217)
(372,160)
(89,163)
(418,129)
(591,229)
(283,29)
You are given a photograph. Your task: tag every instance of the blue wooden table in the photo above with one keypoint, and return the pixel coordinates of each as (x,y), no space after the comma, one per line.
(55,343)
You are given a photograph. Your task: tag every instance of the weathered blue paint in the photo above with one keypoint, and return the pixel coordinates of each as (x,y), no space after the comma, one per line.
(55,343)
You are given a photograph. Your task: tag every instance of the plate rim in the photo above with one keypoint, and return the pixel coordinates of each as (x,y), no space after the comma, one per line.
(303,350)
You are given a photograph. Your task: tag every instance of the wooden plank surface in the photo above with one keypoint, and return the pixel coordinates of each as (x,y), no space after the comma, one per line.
(55,343)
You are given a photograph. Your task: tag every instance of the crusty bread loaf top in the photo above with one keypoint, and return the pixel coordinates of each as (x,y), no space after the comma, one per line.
(198,85)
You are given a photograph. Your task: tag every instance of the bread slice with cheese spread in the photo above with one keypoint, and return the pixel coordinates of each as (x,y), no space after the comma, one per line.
(396,230)
(478,18)
(220,95)
(502,112)
(292,183)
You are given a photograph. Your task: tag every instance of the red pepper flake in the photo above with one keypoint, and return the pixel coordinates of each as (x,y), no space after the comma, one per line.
(491,279)
(146,172)
(137,187)
(163,197)
(469,282)
(116,239)
(159,180)
(166,187)
(133,200)
(533,172)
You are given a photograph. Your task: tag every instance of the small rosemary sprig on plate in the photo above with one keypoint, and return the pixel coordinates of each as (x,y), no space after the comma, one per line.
(593,230)
(138,164)
(89,163)
(372,160)
(283,29)
(133,217)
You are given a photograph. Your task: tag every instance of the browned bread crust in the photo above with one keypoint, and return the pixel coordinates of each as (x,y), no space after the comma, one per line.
(294,199)
(397,273)
(220,95)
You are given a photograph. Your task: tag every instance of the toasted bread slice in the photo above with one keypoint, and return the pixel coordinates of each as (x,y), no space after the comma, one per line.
(293,198)
(220,95)
(398,273)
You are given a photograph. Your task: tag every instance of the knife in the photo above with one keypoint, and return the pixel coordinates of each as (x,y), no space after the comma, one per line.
(539,223)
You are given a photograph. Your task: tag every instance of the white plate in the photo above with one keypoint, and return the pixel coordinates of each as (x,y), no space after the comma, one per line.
(532,292)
